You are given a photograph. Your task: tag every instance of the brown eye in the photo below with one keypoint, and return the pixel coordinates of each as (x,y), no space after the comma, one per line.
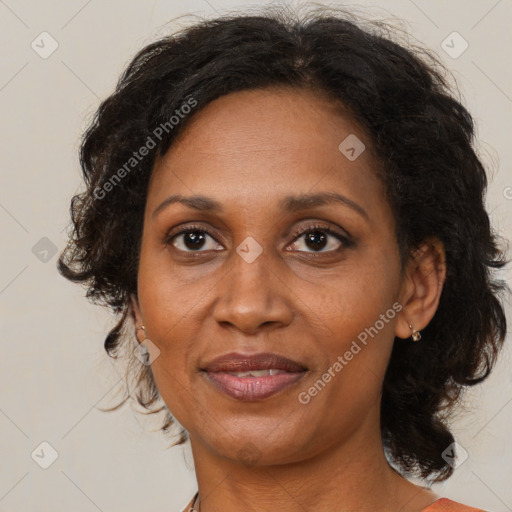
(320,239)
(193,240)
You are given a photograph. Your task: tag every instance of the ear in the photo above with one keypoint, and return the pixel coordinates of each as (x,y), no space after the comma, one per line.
(421,288)
(136,314)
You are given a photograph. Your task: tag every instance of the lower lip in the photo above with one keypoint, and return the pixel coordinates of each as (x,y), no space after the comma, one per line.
(252,388)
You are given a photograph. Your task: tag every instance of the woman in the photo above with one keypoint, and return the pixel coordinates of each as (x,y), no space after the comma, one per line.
(289,216)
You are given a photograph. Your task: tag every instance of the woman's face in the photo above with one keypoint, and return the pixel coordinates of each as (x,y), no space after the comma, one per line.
(256,281)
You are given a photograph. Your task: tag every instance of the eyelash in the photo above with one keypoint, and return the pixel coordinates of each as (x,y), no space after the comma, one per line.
(344,239)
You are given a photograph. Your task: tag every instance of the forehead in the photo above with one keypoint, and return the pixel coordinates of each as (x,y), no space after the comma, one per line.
(250,145)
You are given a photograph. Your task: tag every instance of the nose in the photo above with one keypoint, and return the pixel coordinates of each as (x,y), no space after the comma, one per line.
(252,296)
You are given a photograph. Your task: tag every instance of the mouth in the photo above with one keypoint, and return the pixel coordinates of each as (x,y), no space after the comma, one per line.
(253,377)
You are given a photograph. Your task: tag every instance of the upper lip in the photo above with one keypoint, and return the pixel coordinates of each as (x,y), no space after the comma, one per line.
(235,362)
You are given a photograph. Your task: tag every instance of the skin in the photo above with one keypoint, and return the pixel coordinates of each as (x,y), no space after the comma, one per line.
(248,150)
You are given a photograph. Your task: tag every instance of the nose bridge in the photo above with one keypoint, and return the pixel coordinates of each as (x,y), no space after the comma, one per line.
(251,294)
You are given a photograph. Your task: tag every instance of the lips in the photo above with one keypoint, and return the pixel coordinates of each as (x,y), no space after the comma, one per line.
(234,362)
(252,377)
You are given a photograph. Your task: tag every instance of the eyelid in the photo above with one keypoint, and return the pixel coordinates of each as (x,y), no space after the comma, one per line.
(186,228)
(336,231)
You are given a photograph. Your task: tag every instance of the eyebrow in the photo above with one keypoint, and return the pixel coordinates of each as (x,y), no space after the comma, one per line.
(289,204)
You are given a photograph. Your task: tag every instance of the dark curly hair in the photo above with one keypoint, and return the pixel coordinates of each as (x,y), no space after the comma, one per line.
(421,135)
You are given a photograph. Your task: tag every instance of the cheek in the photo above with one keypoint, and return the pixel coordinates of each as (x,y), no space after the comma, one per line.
(356,296)
(164,297)
(171,385)
(173,307)
(164,310)
(360,309)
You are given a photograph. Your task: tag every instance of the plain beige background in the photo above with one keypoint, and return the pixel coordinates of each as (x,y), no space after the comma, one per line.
(54,371)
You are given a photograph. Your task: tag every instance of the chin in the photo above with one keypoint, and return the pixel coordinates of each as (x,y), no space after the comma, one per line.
(257,449)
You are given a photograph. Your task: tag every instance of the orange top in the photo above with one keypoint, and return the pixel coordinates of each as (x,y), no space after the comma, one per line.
(440,505)
(446,505)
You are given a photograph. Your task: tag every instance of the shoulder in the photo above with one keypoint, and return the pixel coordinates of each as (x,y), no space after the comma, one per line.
(447,505)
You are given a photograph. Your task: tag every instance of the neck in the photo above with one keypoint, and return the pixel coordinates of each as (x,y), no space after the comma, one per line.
(354,475)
